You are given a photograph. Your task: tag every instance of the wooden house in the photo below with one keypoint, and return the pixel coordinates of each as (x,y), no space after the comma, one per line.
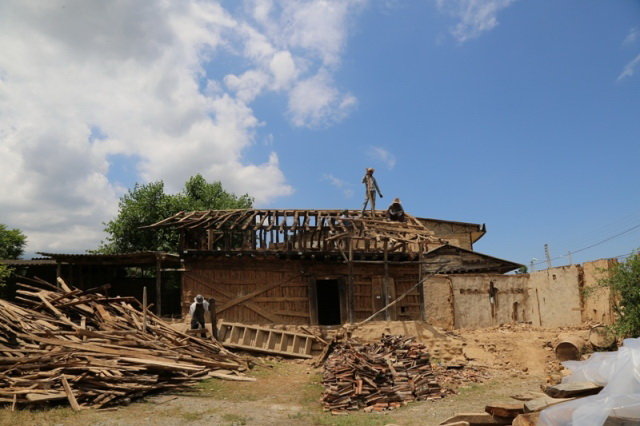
(319,266)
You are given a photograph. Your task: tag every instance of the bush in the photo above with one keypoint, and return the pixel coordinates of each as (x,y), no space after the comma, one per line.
(624,280)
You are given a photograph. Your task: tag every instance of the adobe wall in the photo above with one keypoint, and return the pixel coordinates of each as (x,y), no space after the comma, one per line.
(464,301)
(555,296)
(598,301)
(549,298)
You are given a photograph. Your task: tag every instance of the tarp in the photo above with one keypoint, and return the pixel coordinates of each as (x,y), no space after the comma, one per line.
(618,372)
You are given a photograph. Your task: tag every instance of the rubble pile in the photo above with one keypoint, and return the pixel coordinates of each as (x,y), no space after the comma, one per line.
(378,376)
(96,351)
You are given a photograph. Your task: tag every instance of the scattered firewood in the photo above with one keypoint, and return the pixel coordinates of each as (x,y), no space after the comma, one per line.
(380,376)
(528,396)
(543,402)
(566,390)
(505,410)
(477,419)
(529,419)
(96,351)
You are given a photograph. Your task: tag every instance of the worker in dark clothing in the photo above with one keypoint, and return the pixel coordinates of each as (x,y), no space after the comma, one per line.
(371,188)
(395,212)
(198,309)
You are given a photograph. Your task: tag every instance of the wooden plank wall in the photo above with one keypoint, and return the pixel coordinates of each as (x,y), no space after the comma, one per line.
(289,303)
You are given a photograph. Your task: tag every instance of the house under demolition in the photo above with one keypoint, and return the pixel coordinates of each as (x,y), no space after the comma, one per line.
(320,266)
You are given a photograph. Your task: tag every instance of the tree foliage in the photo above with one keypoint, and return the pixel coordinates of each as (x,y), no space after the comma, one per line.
(147,204)
(623,279)
(12,242)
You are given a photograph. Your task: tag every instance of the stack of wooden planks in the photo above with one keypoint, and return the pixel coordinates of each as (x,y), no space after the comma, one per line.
(95,351)
(527,412)
(379,376)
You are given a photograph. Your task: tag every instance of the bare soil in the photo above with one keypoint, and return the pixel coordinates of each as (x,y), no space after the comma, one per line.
(512,359)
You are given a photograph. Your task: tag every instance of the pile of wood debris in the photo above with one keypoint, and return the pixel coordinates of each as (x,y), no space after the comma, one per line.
(526,412)
(378,376)
(96,351)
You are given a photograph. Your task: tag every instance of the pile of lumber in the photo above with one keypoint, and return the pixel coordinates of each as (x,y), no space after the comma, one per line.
(96,351)
(527,411)
(379,376)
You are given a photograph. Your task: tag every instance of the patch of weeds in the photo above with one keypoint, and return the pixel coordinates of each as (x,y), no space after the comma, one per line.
(476,388)
(312,390)
(297,416)
(36,416)
(235,419)
(192,416)
(354,419)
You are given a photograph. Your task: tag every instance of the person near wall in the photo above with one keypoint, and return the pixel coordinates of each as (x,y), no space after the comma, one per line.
(371,188)
(395,212)
(197,310)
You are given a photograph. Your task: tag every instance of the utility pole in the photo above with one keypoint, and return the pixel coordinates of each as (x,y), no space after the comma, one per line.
(570,256)
(547,255)
(532,265)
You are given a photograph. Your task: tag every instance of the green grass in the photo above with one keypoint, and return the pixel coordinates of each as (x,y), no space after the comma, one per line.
(235,419)
(352,419)
(36,416)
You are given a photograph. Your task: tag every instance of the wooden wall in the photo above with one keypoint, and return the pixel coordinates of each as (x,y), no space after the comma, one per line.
(276,291)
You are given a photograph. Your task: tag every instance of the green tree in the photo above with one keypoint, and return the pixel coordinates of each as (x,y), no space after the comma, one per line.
(5,272)
(12,242)
(623,279)
(147,204)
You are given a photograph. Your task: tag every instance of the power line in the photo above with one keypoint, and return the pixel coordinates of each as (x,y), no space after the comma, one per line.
(595,244)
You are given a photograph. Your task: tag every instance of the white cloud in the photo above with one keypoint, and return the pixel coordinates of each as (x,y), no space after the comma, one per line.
(630,68)
(343,186)
(475,16)
(315,102)
(139,72)
(383,156)
(632,36)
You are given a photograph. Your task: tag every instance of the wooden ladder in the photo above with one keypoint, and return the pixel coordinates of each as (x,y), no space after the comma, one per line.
(267,340)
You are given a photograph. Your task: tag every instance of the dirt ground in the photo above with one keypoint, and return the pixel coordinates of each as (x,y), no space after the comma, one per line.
(504,360)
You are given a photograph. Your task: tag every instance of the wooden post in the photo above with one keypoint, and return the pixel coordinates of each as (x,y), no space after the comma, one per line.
(350,302)
(421,288)
(385,281)
(158,286)
(213,319)
(144,309)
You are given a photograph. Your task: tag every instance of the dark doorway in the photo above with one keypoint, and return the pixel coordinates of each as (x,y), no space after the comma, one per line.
(328,296)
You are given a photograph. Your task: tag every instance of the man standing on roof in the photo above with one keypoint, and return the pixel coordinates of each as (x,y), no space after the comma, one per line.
(371,187)
(197,310)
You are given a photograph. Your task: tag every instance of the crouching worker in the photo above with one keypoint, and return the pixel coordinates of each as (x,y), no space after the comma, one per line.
(197,311)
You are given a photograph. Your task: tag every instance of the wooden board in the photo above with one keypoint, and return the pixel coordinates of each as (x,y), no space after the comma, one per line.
(567,390)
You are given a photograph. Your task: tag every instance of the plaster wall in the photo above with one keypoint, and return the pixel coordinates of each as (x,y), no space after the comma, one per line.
(597,300)
(474,307)
(438,301)
(555,296)
(549,298)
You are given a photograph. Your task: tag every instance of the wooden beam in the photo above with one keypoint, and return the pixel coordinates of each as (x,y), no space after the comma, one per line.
(158,286)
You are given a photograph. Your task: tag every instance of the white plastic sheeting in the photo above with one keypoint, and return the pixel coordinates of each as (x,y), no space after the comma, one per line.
(618,372)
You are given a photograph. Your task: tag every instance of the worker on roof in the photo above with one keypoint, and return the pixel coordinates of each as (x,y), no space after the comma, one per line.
(395,212)
(371,188)
(197,310)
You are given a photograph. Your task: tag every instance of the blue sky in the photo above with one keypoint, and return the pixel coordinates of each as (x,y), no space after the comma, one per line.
(525,128)
(519,114)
